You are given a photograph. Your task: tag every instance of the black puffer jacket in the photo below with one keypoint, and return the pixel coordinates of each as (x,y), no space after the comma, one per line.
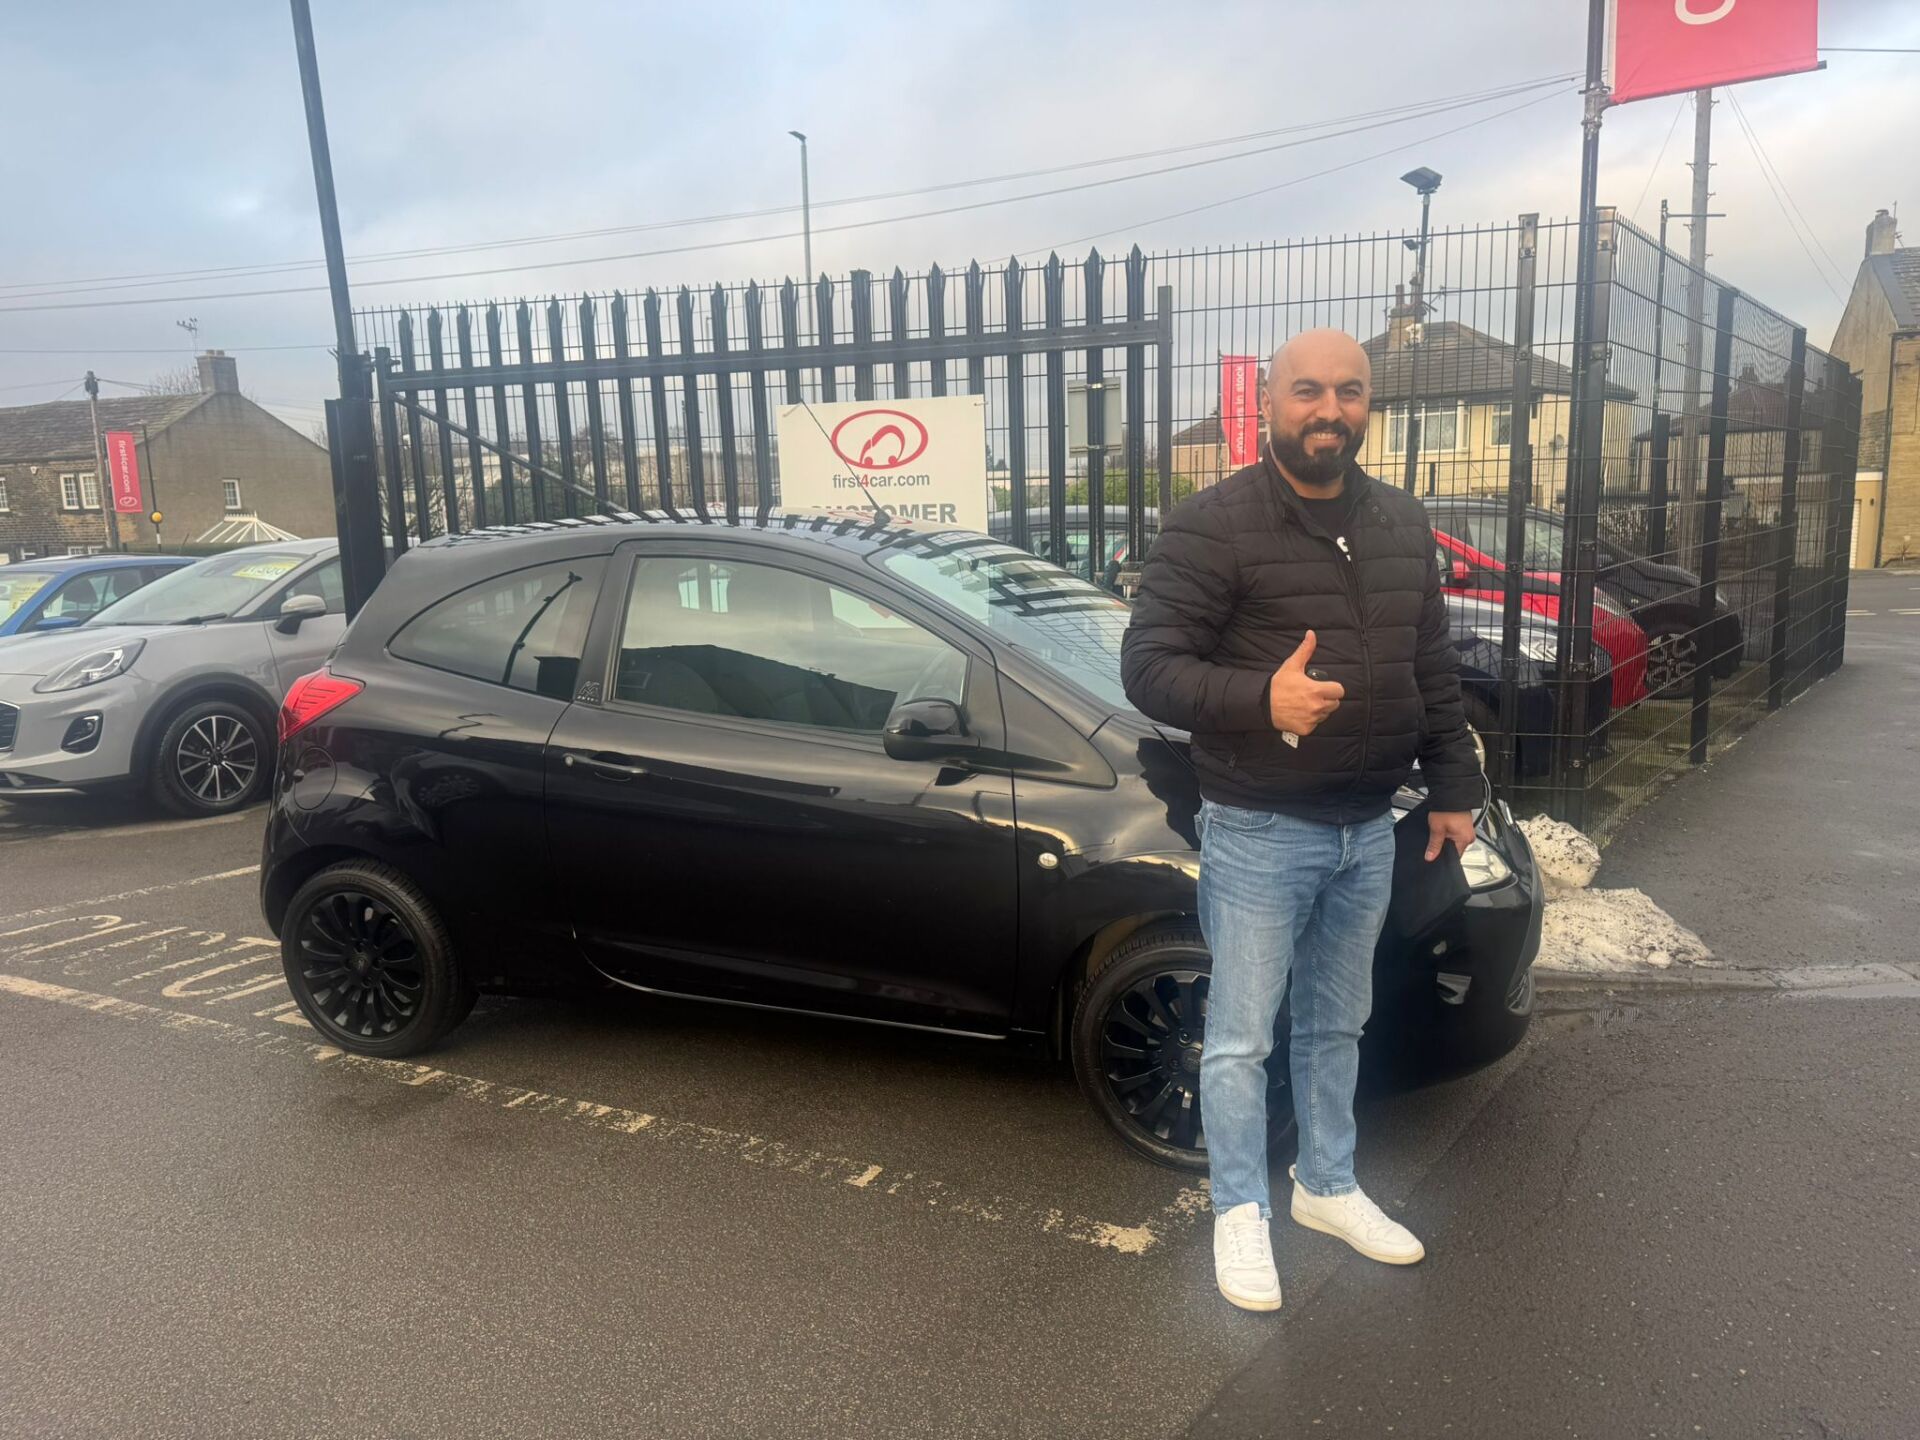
(1238,576)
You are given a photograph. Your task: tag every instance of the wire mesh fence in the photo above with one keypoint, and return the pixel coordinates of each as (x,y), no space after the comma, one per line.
(1688,505)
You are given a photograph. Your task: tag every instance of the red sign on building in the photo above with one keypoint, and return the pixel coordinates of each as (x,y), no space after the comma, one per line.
(1663,47)
(1239,411)
(123,465)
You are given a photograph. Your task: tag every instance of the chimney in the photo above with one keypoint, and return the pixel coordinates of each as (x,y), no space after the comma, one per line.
(1881,235)
(218,374)
(1400,320)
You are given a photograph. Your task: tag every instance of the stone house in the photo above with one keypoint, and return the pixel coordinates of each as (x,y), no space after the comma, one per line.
(204,459)
(1879,339)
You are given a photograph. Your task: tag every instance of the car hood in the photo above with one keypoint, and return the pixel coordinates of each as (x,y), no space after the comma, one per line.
(38,655)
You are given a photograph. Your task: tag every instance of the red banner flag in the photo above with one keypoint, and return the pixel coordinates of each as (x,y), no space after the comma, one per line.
(1239,410)
(123,465)
(1662,47)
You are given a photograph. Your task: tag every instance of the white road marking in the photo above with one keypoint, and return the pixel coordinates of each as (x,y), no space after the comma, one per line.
(1906,612)
(1862,614)
(908,1186)
(134,894)
(147,827)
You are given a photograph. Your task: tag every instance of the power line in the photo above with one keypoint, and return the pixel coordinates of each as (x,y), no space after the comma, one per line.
(1679,110)
(1296,180)
(168,349)
(1782,197)
(767,239)
(37,385)
(1380,117)
(1753,134)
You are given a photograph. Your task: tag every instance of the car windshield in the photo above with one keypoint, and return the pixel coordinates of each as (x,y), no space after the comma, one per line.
(1035,607)
(215,587)
(17,589)
(1486,531)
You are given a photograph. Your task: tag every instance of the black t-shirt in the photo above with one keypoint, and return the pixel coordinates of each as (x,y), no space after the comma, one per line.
(1333,515)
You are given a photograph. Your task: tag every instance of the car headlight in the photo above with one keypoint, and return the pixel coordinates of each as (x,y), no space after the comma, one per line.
(91,669)
(1483,866)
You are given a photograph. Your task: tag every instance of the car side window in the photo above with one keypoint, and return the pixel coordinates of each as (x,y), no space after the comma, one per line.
(764,643)
(75,600)
(525,629)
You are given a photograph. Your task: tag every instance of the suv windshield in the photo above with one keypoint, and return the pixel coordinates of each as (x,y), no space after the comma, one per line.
(17,589)
(211,588)
(1027,603)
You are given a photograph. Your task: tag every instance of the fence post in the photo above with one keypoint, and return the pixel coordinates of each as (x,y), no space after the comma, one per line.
(1710,529)
(1519,496)
(1133,422)
(1053,290)
(629,426)
(1840,488)
(1580,547)
(862,298)
(690,405)
(1094,272)
(390,452)
(1659,459)
(562,406)
(1016,387)
(1163,398)
(1789,523)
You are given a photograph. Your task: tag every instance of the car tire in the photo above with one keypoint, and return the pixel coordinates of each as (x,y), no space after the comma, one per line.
(370,962)
(1673,654)
(212,757)
(1151,1097)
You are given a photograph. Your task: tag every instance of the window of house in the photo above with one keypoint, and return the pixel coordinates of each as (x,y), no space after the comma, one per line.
(5,503)
(525,630)
(1503,423)
(90,492)
(69,492)
(780,646)
(1439,428)
(230,493)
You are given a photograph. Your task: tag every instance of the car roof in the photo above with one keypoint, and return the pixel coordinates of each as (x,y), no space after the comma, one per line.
(61,564)
(797,530)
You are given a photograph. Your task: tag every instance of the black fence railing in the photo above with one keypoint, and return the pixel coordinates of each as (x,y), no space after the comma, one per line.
(1645,541)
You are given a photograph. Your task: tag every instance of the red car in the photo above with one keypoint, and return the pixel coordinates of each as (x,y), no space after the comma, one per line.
(1476,575)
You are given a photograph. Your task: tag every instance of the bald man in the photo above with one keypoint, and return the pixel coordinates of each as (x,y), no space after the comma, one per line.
(1290,618)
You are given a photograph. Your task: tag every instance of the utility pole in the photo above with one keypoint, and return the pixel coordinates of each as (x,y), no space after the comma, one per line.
(101,485)
(1692,470)
(806,209)
(1424,181)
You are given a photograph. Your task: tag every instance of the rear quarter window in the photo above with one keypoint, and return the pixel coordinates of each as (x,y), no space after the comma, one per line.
(525,629)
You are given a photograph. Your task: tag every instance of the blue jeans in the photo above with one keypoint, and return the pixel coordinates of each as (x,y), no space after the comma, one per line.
(1283,897)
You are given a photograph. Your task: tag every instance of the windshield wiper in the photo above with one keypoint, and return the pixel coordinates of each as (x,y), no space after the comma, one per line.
(201,619)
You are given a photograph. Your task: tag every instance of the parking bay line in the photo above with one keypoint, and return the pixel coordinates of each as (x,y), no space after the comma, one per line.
(134,894)
(909,1187)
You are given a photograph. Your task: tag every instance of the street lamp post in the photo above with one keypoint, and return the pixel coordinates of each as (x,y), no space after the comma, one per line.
(806,206)
(1426,182)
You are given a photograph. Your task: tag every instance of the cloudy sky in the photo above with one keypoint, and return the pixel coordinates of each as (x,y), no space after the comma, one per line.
(146,139)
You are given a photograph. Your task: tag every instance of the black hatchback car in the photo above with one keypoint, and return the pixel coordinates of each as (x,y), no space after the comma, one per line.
(851,769)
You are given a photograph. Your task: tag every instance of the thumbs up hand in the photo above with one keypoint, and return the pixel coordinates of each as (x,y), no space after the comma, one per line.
(1296,702)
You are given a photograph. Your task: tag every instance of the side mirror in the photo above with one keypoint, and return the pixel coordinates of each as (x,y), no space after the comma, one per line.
(927,730)
(296,609)
(60,622)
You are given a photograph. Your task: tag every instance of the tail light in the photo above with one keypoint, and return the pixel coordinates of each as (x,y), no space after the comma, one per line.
(313,696)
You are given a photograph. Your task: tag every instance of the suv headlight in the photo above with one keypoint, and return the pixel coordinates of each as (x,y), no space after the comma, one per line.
(91,669)
(1483,866)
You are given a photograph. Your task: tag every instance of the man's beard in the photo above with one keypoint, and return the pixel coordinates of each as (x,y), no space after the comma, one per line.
(1321,467)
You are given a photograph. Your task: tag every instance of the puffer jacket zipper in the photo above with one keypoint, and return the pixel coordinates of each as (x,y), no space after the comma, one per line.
(1356,597)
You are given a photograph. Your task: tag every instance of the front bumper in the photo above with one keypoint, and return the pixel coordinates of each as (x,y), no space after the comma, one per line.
(1477,957)
(36,761)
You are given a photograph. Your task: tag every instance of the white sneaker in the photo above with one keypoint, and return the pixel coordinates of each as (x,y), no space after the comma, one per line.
(1358,1221)
(1243,1258)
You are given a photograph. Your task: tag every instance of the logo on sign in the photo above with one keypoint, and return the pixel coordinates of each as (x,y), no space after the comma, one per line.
(1684,12)
(879,439)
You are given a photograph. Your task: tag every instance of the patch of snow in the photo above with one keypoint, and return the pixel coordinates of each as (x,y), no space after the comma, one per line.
(1599,931)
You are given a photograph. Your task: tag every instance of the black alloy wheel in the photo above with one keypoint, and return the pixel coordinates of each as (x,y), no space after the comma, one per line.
(369,961)
(212,758)
(1139,1031)
(1672,656)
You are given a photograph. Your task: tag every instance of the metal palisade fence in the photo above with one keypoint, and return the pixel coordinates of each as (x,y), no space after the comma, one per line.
(1643,493)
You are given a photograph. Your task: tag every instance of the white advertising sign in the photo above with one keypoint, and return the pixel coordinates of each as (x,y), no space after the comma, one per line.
(923,460)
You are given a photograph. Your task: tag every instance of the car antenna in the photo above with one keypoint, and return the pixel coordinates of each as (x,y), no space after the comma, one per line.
(878,508)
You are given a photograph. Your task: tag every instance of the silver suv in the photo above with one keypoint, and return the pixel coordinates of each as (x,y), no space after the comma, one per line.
(178,686)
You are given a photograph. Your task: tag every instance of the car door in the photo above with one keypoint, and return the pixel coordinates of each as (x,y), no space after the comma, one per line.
(307,648)
(726,816)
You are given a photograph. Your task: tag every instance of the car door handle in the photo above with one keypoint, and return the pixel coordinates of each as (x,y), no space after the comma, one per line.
(607,767)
